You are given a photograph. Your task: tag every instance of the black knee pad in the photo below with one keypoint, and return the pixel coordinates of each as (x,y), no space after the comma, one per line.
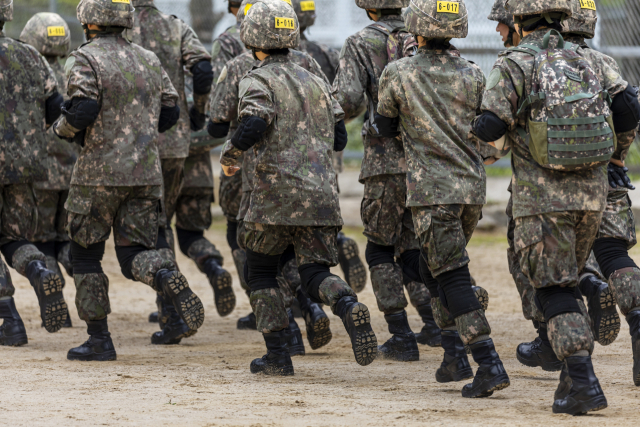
(10,248)
(427,278)
(47,248)
(456,292)
(287,255)
(87,260)
(411,264)
(312,275)
(162,243)
(377,254)
(186,238)
(232,234)
(126,255)
(263,270)
(612,255)
(555,300)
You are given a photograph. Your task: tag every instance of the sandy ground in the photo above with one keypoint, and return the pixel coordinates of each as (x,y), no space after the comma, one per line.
(205,381)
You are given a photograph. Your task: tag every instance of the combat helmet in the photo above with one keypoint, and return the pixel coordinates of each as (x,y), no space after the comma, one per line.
(434,19)
(48,33)
(243,10)
(500,14)
(305,11)
(382,4)
(558,9)
(583,19)
(6,10)
(106,13)
(270,24)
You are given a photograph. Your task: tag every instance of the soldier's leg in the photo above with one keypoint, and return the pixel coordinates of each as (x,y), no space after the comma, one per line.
(172,180)
(553,248)
(19,212)
(264,246)
(317,251)
(193,217)
(62,240)
(240,260)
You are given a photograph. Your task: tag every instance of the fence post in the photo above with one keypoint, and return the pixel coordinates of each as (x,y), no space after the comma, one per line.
(53,6)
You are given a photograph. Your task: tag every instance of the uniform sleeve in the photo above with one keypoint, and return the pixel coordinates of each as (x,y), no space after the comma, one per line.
(224,99)
(192,49)
(81,77)
(501,95)
(230,155)
(256,100)
(221,52)
(388,88)
(316,70)
(48,77)
(625,139)
(351,81)
(338,113)
(169,96)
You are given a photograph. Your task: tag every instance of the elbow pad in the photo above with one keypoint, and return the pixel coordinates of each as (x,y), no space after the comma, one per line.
(202,77)
(626,110)
(386,126)
(489,127)
(168,118)
(249,133)
(81,112)
(340,137)
(53,108)
(218,130)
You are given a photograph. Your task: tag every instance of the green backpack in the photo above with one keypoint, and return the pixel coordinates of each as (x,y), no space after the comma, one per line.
(569,126)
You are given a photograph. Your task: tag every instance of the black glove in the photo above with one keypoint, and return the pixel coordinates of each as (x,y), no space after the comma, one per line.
(340,137)
(53,106)
(249,132)
(196,118)
(218,130)
(168,118)
(386,126)
(618,177)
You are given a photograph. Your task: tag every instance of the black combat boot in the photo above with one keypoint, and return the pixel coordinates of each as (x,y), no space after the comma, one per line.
(12,331)
(564,386)
(221,282)
(247,322)
(153,317)
(482,295)
(98,347)
(586,394)
(455,365)
(277,361)
(402,346)
(539,352)
(430,333)
(357,321)
(316,321)
(633,319)
(294,340)
(173,327)
(601,302)
(48,287)
(295,308)
(490,375)
(354,271)
(175,288)
(67,322)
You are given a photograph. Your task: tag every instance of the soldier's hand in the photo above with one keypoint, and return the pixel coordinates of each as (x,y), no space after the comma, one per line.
(618,176)
(230,170)
(197,119)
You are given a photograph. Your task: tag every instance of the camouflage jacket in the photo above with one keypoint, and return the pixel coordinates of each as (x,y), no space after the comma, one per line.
(437,94)
(178,47)
(224,105)
(295,183)
(328,58)
(226,47)
(537,190)
(61,155)
(26,82)
(129,84)
(362,59)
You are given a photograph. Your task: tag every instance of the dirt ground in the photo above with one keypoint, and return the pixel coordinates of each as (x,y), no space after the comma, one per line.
(205,381)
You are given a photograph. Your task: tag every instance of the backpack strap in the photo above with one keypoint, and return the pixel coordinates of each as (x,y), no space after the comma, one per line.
(531,49)
(535,96)
(547,39)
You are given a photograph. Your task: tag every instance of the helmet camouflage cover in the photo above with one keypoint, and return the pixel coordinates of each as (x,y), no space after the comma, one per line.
(305,11)
(538,7)
(244,9)
(6,10)
(583,19)
(382,4)
(106,13)
(500,14)
(437,19)
(48,33)
(270,24)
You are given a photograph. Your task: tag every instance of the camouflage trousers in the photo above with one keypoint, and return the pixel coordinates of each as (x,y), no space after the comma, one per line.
(617,218)
(312,245)
(230,195)
(172,180)
(52,218)
(289,281)
(553,249)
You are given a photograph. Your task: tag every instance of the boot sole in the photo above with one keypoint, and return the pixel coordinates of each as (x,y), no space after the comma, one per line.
(606,321)
(407,356)
(102,357)
(53,308)
(365,343)
(186,303)
(432,341)
(483,297)
(636,376)
(14,341)
(223,294)
(580,408)
(487,388)
(321,333)
(280,372)
(461,375)
(352,266)
(546,366)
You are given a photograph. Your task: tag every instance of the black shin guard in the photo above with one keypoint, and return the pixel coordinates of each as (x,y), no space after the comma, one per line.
(555,300)
(126,255)
(456,293)
(411,264)
(232,234)
(377,254)
(427,278)
(87,260)
(10,248)
(612,255)
(288,254)
(186,238)
(263,270)
(312,275)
